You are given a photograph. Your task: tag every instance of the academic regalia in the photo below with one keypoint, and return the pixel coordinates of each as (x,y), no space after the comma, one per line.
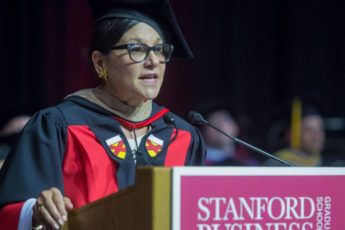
(156,13)
(295,157)
(79,147)
(298,158)
(294,153)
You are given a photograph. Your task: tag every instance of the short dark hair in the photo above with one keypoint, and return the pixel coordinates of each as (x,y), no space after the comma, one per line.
(107,33)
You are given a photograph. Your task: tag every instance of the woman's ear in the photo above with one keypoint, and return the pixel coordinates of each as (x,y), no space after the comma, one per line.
(98,61)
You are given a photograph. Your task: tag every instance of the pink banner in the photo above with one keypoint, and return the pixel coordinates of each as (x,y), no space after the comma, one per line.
(262,202)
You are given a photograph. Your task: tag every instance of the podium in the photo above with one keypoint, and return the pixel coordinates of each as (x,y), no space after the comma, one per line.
(221,198)
(145,205)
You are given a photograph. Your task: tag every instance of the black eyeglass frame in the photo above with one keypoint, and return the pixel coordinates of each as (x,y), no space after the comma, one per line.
(149,48)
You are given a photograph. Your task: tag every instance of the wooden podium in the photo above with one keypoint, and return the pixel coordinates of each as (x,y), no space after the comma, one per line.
(145,205)
(184,198)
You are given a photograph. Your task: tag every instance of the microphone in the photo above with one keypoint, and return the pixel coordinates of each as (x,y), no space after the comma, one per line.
(171,121)
(197,119)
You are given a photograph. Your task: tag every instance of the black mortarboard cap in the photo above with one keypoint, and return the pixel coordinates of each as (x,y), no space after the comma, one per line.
(152,12)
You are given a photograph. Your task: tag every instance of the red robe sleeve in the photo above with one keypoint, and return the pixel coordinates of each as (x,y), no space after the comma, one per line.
(9,216)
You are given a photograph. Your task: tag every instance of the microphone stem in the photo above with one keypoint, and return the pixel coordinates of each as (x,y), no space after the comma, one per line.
(249,146)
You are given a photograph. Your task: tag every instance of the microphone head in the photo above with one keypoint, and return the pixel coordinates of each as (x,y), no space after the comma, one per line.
(169,119)
(195,118)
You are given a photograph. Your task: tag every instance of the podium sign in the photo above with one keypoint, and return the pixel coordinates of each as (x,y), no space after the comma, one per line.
(258,198)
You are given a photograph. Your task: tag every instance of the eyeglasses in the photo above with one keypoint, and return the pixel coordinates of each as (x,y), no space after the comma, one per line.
(139,52)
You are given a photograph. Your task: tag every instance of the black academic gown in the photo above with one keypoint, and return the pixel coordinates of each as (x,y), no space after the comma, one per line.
(79,147)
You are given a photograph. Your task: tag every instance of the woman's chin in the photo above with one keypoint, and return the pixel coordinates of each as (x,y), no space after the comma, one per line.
(150,95)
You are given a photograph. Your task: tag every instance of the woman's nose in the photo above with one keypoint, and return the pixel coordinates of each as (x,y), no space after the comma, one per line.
(152,59)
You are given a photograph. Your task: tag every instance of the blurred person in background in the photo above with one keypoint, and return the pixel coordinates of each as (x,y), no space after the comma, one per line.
(9,133)
(221,150)
(305,135)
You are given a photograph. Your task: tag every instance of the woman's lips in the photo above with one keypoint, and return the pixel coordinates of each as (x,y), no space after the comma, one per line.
(149,79)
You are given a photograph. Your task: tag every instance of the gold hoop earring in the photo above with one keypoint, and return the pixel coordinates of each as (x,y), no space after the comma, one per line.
(103,75)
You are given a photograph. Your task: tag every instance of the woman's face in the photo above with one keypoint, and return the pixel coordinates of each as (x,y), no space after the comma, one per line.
(312,134)
(132,82)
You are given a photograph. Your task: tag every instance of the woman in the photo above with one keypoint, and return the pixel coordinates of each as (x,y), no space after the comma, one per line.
(88,146)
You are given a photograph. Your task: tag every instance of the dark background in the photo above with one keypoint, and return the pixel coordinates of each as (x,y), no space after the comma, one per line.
(255,54)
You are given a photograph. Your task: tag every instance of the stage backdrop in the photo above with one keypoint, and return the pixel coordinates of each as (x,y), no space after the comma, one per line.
(257,54)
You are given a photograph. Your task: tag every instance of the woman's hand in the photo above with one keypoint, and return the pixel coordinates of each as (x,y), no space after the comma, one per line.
(50,210)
